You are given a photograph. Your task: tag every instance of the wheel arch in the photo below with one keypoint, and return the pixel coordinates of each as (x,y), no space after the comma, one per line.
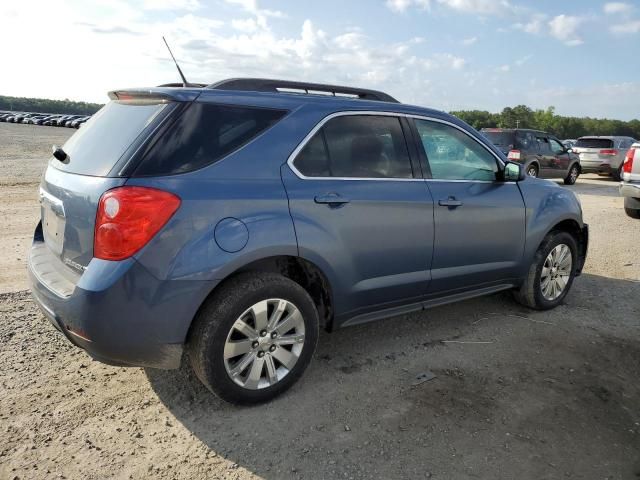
(572,227)
(302,271)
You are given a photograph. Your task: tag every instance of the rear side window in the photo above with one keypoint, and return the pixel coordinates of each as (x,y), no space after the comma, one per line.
(99,144)
(594,143)
(526,141)
(204,134)
(357,146)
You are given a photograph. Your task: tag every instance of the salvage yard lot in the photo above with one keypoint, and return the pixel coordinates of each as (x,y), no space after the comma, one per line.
(516,393)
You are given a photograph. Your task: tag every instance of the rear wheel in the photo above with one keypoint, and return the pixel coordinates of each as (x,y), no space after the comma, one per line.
(617,174)
(254,337)
(632,212)
(574,172)
(551,273)
(532,171)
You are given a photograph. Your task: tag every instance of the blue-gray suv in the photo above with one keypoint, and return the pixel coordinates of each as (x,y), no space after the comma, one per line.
(230,222)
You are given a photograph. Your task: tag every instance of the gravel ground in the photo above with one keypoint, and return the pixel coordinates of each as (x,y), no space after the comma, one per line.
(516,393)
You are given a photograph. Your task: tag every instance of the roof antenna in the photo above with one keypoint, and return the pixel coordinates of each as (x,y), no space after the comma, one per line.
(184,80)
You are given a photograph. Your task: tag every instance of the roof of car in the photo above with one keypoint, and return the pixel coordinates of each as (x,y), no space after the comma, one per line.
(610,137)
(330,97)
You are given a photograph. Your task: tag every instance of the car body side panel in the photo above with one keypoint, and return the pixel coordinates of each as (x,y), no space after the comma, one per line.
(546,204)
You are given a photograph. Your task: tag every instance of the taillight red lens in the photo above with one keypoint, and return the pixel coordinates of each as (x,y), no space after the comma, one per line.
(609,151)
(514,155)
(128,217)
(627,166)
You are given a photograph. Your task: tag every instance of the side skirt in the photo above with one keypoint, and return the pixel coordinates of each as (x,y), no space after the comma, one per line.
(426,304)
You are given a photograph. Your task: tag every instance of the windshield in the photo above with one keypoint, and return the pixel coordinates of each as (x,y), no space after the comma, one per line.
(99,144)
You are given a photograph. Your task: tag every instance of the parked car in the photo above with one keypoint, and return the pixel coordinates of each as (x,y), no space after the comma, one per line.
(630,187)
(542,154)
(235,220)
(603,154)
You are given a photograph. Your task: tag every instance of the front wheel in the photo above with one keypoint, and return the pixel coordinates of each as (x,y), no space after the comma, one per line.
(551,273)
(574,172)
(254,337)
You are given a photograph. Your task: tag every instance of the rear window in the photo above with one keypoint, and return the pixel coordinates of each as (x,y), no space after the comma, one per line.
(594,143)
(500,138)
(99,144)
(204,134)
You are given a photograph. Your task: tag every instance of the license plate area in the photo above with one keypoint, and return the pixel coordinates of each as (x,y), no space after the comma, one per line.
(53,221)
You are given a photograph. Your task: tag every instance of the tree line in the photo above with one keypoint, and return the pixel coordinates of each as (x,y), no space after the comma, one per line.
(45,105)
(522,116)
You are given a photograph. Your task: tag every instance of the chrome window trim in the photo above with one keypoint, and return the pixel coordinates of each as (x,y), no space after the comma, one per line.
(321,123)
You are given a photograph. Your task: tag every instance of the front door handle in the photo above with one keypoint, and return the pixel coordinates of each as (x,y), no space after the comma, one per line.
(331,199)
(450,202)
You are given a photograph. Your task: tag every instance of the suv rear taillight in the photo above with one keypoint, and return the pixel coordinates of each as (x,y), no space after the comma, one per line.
(609,151)
(514,155)
(128,217)
(627,166)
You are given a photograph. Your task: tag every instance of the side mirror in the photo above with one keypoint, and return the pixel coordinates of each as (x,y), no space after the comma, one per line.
(513,172)
(569,150)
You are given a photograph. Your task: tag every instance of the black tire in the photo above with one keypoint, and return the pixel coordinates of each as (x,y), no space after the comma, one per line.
(617,174)
(632,212)
(530,293)
(532,170)
(574,172)
(214,321)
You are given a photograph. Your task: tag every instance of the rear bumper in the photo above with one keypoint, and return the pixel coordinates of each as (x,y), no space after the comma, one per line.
(601,167)
(629,189)
(120,314)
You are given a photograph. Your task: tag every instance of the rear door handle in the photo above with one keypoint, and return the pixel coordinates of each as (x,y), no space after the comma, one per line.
(331,199)
(450,202)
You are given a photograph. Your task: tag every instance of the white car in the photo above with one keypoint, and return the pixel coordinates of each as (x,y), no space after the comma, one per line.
(630,186)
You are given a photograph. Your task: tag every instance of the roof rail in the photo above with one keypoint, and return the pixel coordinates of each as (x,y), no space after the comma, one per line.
(181,85)
(269,85)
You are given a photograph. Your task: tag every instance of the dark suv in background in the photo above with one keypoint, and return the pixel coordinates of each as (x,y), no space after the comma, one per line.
(542,154)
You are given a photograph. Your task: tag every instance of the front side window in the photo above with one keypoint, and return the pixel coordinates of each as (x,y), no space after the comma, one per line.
(357,146)
(454,155)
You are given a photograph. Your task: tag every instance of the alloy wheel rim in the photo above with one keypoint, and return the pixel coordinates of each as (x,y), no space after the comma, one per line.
(264,344)
(532,172)
(574,174)
(556,272)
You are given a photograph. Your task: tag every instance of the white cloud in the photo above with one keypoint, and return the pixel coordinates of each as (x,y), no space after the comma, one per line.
(173,5)
(469,41)
(533,25)
(564,28)
(402,5)
(251,6)
(626,28)
(248,25)
(504,68)
(616,7)
(483,7)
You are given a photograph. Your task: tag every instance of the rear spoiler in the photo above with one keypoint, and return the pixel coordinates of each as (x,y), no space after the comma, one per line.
(154,95)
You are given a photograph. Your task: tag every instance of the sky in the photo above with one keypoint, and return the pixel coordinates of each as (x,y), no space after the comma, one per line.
(580,56)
